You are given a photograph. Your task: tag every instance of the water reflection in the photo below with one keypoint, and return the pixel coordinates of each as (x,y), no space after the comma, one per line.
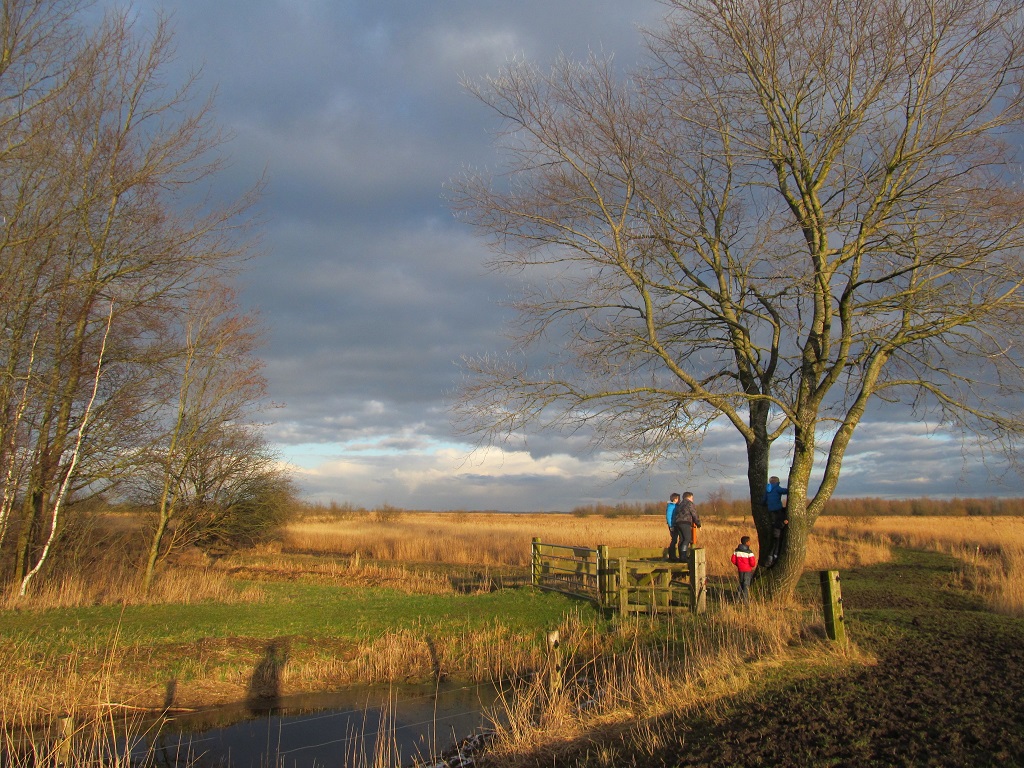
(352,728)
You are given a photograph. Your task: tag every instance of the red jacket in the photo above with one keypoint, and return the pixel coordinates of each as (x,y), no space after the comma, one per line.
(744,559)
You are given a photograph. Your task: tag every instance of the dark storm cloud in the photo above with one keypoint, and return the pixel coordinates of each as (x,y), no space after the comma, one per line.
(370,290)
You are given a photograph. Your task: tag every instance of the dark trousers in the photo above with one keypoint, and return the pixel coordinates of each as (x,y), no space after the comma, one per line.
(746,577)
(682,538)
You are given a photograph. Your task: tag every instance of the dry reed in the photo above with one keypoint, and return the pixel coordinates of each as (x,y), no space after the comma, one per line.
(484,539)
(990,549)
(700,663)
(178,585)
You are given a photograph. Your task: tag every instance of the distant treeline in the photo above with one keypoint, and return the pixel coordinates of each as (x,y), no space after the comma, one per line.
(718,504)
(712,505)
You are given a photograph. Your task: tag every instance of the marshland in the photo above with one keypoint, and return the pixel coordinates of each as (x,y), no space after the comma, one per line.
(343,597)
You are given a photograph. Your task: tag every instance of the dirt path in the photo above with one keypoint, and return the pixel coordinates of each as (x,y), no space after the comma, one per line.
(948,689)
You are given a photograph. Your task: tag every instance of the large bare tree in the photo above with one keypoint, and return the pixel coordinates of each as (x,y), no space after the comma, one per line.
(795,208)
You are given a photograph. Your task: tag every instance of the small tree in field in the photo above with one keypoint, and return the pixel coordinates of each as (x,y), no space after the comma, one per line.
(797,208)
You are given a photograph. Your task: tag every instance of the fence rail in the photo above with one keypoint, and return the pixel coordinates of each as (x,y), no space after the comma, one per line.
(622,579)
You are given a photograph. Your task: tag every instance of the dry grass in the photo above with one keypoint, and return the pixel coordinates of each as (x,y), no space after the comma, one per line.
(700,663)
(178,585)
(991,549)
(269,562)
(483,539)
(988,546)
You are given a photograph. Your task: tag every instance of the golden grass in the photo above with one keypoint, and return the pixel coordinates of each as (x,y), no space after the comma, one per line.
(991,549)
(178,585)
(993,562)
(700,663)
(484,539)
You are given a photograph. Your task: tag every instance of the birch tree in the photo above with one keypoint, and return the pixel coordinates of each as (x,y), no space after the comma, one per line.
(100,159)
(794,209)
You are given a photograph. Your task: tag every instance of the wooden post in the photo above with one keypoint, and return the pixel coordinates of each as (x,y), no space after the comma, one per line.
(623,588)
(554,662)
(65,736)
(604,578)
(535,562)
(698,580)
(664,588)
(832,605)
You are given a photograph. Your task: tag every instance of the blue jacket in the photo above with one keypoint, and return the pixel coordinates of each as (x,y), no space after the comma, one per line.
(773,497)
(669,511)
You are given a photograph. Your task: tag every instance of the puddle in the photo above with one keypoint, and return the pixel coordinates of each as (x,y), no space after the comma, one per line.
(335,730)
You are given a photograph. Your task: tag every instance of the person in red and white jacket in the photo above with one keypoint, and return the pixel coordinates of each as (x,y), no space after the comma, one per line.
(745,561)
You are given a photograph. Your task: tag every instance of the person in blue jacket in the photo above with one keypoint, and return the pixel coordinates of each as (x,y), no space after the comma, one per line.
(670,510)
(777,509)
(684,520)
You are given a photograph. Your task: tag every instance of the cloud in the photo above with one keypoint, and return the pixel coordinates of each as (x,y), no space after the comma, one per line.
(372,292)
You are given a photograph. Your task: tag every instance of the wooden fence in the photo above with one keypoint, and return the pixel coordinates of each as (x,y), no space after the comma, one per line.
(623,580)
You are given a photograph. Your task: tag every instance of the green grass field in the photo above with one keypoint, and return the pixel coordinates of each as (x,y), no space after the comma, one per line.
(333,636)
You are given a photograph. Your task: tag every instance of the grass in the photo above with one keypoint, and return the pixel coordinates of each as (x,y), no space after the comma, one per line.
(372,598)
(929,666)
(334,635)
(503,540)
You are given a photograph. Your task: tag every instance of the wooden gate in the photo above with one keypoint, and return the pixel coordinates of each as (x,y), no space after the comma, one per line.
(622,580)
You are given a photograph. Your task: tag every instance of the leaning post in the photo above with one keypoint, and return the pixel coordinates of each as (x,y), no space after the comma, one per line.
(698,579)
(832,604)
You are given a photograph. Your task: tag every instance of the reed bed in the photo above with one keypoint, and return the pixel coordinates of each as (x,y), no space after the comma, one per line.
(483,539)
(175,585)
(268,562)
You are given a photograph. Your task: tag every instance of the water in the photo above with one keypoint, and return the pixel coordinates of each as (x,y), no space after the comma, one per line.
(335,730)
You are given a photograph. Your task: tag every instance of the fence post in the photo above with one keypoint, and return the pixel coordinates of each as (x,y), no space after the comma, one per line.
(623,588)
(664,589)
(832,604)
(535,562)
(65,735)
(698,579)
(603,577)
(554,662)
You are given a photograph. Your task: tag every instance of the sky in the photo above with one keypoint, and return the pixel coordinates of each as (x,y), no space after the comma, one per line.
(372,292)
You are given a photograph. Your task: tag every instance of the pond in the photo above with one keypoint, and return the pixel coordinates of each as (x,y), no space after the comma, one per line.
(392,725)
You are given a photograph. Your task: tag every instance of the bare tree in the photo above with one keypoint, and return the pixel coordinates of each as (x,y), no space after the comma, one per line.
(100,161)
(796,208)
(219,385)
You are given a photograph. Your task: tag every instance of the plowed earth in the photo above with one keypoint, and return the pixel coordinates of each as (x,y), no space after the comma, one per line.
(947,689)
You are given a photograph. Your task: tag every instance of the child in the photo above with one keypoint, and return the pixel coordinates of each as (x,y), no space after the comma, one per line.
(670,511)
(777,510)
(745,561)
